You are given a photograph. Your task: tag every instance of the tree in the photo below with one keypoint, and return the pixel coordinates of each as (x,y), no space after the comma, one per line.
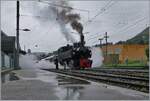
(121,42)
(147,53)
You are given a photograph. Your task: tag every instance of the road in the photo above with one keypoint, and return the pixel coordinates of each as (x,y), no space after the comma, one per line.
(36,84)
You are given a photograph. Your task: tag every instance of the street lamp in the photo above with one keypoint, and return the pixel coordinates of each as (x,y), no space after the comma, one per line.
(25,29)
(17,34)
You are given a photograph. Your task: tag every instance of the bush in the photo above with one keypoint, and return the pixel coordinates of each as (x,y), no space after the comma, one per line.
(147,53)
(133,61)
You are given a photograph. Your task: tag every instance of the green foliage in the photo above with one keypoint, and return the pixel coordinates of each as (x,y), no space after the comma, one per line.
(147,53)
(141,38)
(131,63)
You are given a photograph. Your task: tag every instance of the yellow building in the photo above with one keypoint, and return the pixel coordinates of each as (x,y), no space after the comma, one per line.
(127,51)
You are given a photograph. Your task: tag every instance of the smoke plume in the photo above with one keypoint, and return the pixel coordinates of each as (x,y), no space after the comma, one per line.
(60,11)
(65,16)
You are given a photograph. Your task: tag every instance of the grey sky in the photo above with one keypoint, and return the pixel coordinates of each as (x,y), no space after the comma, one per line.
(121,19)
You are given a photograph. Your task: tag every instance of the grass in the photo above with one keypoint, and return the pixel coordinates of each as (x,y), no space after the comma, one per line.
(127,65)
(130,63)
(135,65)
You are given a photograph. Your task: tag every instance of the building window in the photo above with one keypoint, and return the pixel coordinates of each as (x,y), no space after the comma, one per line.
(3,60)
(110,52)
(117,50)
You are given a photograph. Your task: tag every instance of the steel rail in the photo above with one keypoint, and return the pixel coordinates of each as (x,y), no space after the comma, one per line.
(127,83)
(114,76)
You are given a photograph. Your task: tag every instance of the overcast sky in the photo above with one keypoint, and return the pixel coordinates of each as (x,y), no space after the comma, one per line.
(120,19)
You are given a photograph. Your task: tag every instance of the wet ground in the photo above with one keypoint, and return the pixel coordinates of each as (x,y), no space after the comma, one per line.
(35,84)
(8,77)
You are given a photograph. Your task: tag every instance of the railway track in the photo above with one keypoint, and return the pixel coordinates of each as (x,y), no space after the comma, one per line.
(114,75)
(132,82)
(126,72)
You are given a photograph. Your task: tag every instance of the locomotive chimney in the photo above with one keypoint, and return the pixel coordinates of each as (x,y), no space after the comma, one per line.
(82,39)
(81,36)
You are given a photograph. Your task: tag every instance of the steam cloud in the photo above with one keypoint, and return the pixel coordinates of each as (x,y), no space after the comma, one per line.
(59,11)
(97,57)
(65,16)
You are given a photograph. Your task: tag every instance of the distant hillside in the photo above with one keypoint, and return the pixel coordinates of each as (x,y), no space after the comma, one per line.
(141,38)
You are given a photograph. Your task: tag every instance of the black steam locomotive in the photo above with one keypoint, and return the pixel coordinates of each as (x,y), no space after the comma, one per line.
(75,56)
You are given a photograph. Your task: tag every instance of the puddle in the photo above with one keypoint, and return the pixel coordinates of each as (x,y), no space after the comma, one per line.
(57,79)
(67,88)
(64,80)
(69,92)
(9,77)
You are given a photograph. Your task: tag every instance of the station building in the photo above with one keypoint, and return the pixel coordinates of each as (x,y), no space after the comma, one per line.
(8,52)
(122,52)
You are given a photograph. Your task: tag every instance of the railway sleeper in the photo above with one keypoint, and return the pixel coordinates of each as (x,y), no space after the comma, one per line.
(115,76)
(132,85)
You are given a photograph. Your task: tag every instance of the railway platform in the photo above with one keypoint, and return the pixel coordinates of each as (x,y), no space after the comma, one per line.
(36,84)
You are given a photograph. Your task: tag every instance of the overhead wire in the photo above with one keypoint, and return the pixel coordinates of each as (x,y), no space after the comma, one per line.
(95,36)
(130,26)
(116,24)
(125,29)
(38,17)
(53,4)
(103,9)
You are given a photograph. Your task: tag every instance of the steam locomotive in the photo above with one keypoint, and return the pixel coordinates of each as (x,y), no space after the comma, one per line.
(75,56)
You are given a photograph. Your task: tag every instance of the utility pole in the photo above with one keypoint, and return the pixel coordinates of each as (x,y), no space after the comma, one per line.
(106,36)
(17,36)
(100,39)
